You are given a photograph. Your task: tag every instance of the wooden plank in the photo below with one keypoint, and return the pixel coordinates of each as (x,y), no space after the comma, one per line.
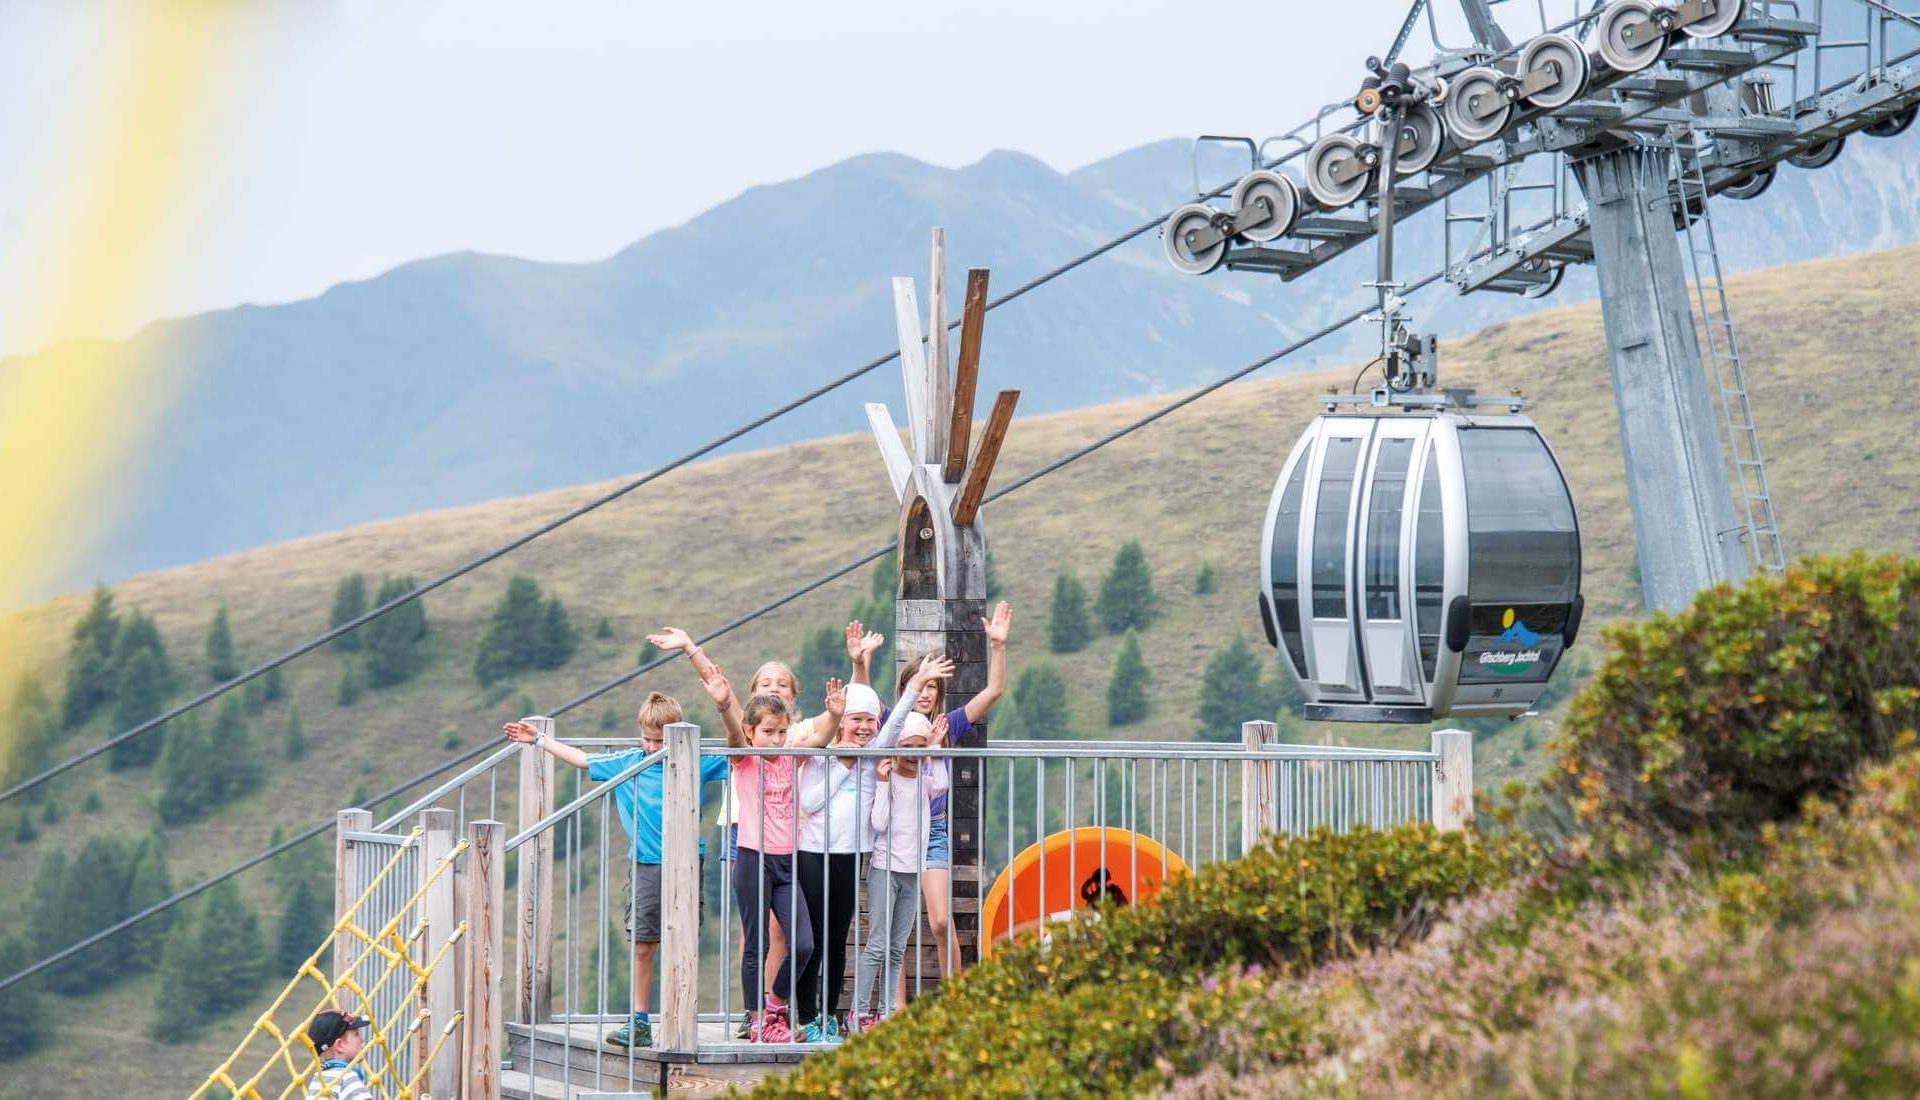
(680,890)
(346,890)
(966,373)
(533,885)
(1453,779)
(913,362)
(439,996)
(939,390)
(486,957)
(892,453)
(1257,785)
(980,471)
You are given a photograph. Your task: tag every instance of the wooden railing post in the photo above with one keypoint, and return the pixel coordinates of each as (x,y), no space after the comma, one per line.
(438,996)
(533,885)
(486,957)
(1453,779)
(680,891)
(346,890)
(1256,786)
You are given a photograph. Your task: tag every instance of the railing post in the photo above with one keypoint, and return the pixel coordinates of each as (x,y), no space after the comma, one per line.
(346,890)
(1452,779)
(533,885)
(680,891)
(438,997)
(486,957)
(1256,786)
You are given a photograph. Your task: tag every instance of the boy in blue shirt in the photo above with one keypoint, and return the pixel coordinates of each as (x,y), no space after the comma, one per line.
(638,800)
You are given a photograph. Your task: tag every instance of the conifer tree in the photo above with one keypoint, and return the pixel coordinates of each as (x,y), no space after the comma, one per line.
(396,641)
(1041,698)
(823,654)
(27,1026)
(1068,628)
(33,733)
(1127,700)
(215,960)
(514,635)
(148,883)
(351,685)
(222,663)
(186,783)
(876,613)
(140,695)
(349,603)
(993,580)
(609,721)
(1126,597)
(139,634)
(1206,582)
(92,896)
(275,682)
(558,640)
(90,660)
(293,739)
(304,923)
(1233,691)
(236,771)
(603,629)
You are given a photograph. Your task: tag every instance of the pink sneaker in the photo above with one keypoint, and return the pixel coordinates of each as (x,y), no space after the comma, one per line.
(774,1027)
(866,1022)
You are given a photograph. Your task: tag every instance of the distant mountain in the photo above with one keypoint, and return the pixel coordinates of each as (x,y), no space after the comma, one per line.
(468,377)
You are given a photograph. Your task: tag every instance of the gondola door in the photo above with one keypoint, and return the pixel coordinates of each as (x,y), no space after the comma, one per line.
(1382,582)
(1333,486)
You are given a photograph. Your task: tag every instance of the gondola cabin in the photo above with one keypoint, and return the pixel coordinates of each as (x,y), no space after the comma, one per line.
(1421,564)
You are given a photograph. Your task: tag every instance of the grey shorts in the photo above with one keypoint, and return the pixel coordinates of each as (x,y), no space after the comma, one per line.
(642,900)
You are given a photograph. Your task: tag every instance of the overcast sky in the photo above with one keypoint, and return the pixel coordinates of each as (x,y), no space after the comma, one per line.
(343,137)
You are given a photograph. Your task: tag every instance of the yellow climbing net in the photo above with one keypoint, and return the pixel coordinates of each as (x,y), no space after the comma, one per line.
(391,966)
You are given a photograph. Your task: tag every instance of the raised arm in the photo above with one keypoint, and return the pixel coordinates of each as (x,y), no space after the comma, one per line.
(721,692)
(522,733)
(672,638)
(996,630)
(861,647)
(819,778)
(827,722)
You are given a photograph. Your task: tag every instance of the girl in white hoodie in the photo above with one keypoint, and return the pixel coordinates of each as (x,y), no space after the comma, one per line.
(902,819)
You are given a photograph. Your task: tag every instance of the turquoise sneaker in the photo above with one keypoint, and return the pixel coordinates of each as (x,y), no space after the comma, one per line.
(636,1032)
(813,1033)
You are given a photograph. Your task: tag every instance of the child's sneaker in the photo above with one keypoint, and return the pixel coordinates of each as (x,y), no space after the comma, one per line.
(834,1033)
(866,1022)
(814,1032)
(773,1026)
(636,1032)
(748,1028)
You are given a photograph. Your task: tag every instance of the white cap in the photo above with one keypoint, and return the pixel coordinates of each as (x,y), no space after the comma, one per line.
(862,699)
(918,725)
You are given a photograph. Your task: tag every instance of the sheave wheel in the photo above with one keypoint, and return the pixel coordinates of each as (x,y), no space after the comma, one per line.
(1281,195)
(1176,236)
(1422,139)
(1561,54)
(1725,15)
(1329,151)
(1475,109)
(1620,50)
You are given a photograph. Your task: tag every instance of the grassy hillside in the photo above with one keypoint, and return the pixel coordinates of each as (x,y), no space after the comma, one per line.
(706,543)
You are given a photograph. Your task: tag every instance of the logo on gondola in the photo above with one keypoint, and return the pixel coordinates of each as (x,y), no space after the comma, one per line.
(1513,652)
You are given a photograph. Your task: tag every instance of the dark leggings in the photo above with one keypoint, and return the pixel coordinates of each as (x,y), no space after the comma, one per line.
(762,882)
(832,917)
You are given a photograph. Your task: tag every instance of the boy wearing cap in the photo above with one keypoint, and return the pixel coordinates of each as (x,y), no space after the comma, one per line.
(639,800)
(337,1040)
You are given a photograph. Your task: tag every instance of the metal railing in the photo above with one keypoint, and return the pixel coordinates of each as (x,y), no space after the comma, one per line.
(1141,812)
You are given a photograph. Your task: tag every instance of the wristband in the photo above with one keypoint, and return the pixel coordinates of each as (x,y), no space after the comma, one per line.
(540,738)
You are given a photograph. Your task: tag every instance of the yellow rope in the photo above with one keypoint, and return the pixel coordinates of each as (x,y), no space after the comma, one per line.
(397,953)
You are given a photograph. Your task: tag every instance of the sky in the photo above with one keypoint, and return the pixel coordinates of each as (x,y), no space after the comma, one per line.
(337,139)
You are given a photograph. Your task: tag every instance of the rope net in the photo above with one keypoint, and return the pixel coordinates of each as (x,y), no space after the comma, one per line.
(386,982)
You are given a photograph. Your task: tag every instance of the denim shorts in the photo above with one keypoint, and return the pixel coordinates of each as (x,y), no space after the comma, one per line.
(733,843)
(939,849)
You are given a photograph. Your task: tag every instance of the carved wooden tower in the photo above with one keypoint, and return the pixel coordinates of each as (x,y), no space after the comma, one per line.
(942,591)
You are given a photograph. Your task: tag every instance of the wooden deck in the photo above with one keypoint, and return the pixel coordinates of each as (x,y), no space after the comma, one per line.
(558,1061)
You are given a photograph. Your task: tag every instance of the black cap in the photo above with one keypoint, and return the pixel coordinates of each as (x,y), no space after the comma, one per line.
(328,1026)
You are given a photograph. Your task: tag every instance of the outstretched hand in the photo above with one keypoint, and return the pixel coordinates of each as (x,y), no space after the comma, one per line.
(718,689)
(671,638)
(1002,622)
(519,732)
(836,698)
(933,666)
(861,643)
(939,735)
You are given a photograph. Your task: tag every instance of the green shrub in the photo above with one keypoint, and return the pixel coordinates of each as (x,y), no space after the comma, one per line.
(1729,714)
(1111,1004)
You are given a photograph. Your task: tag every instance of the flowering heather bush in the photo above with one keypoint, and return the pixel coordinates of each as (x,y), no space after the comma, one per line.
(1725,716)
(1799,978)
(1119,1004)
